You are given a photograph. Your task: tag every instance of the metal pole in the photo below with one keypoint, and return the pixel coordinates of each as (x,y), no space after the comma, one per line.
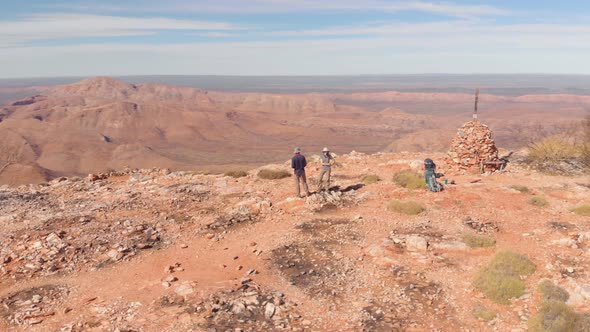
(476,100)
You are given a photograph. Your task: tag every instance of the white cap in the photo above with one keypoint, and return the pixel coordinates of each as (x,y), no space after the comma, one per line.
(325,150)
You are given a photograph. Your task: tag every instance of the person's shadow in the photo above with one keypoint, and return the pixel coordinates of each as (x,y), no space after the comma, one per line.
(338,188)
(349,188)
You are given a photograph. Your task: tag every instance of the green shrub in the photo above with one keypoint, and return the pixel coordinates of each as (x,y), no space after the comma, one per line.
(483,313)
(370,179)
(271,174)
(539,201)
(236,174)
(410,180)
(500,279)
(582,210)
(522,189)
(551,292)
(409,208)
(556,316)
(478,241)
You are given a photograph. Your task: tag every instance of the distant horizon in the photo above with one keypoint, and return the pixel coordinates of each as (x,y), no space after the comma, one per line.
(495,84)
(286,75)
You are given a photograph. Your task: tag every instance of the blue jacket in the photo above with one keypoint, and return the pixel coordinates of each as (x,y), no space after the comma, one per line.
(298,163)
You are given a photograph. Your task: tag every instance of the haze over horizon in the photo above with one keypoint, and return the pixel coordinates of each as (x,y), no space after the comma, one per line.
(43,38)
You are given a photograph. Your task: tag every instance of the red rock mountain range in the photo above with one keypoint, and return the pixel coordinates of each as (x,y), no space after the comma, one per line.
(103,123)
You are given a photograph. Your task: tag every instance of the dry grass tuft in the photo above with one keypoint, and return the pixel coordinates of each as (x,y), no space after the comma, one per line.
(552,293)
(478,241)
(236,174)
(410,180)
(552,149)
(556,316)
(500,279)
(539,201)
(271,174)
(409,208)
(522,189)
(582,210)
(482,313)
(370,179)
(557,155)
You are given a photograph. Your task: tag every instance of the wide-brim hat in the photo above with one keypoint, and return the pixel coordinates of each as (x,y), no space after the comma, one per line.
(325,150)
(297,150)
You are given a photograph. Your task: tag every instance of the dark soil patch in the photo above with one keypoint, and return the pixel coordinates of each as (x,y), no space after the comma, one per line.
(318,264)
(560,226)
(480,226)
(31,306)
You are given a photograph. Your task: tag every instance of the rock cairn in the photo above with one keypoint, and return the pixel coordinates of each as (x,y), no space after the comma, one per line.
(473,145)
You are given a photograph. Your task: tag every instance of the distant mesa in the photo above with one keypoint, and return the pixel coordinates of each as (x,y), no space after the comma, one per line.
(102,123)
(106,87)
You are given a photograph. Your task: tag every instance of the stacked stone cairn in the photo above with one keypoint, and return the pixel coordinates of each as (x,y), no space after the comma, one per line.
(472,146)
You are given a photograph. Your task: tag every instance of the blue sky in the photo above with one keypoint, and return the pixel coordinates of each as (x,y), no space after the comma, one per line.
(292,37)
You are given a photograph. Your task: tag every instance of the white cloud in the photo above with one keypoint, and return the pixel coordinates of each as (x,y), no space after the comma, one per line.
(63,26)
(482,49)
(282,6)
(450,29)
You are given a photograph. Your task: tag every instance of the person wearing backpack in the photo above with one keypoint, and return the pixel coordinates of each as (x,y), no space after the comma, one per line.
(431,175)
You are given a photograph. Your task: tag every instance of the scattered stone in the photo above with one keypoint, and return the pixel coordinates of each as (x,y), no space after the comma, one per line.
(416,243)
(184,289)
(249,308)
(171,279)
(269,310)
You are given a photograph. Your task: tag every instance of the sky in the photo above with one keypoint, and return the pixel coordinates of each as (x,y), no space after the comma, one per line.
(48,38)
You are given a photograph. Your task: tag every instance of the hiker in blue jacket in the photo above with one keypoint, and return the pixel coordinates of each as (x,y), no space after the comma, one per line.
(298,164)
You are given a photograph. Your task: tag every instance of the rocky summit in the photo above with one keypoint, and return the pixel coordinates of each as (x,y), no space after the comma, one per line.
(155,250)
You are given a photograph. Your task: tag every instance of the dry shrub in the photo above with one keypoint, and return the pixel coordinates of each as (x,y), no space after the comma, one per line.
(478,241)
(500,279)
(409,208)
(539,201)
(370,179)
(556,316)
(582,210)
(482,313)
(586,154)
(586,146)
(271,174)
(553,148)
(236,174)
(522,189)
(551,292)
(557,155)
(410,179)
